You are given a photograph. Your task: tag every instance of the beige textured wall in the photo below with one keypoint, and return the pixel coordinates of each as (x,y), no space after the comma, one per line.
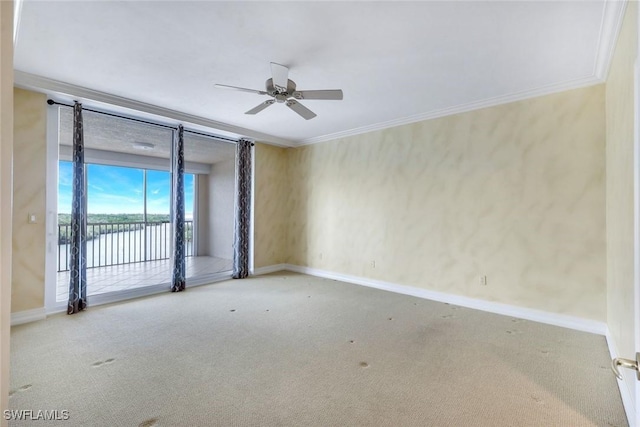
(29,162)
(514,192)
(6,188)
(620,211)
(270,211)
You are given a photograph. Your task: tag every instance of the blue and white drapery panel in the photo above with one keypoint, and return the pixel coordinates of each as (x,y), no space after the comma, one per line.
(178,280)
(78,249)
(242,216)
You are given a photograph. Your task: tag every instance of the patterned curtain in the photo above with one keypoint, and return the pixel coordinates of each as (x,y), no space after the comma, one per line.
(78,262)
(242,210)
(177,172)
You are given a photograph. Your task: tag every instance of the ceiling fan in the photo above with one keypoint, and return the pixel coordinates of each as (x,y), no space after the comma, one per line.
(283,90)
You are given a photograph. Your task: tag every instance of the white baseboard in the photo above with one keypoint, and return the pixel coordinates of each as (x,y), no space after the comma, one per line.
(268,269)
(565,321)
(20,317)
(625,392)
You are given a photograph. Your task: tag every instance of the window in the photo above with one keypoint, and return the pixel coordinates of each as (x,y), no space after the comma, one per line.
(125,223)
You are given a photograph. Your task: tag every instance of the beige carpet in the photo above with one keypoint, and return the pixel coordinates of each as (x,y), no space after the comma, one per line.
(293,350)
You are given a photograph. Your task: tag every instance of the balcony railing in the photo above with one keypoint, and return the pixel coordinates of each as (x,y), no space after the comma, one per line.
(123,243)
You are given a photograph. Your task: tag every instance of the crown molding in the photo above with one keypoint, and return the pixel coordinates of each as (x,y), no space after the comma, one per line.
(54,87)
(486,103)
(612,16)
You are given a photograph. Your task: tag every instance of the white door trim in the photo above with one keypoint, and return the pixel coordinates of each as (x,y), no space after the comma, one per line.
(51,208)
(635,421)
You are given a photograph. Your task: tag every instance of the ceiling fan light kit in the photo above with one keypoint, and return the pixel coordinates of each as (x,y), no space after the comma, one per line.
(283,91)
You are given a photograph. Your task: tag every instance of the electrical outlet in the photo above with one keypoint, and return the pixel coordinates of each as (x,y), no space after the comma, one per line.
(320,256)
(373,264)
(483,280)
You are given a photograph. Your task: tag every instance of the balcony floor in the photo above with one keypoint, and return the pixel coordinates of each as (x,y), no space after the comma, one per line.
(114,278)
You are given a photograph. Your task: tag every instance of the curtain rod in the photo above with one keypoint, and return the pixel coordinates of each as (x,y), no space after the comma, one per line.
(52,102)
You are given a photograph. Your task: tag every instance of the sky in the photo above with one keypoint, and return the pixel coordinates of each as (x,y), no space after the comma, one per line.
(114,190)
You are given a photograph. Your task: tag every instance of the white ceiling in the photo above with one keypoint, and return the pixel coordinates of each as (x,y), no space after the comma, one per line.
(396,62)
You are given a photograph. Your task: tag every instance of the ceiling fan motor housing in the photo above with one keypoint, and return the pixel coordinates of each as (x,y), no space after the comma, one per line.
(281,94)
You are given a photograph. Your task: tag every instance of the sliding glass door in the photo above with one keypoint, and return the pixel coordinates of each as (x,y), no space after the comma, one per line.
(128,197)
(212,192)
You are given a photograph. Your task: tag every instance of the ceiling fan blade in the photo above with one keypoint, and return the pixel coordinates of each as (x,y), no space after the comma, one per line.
(280,75)
(259,92)
(334,94)
(303,111)
(260,107)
